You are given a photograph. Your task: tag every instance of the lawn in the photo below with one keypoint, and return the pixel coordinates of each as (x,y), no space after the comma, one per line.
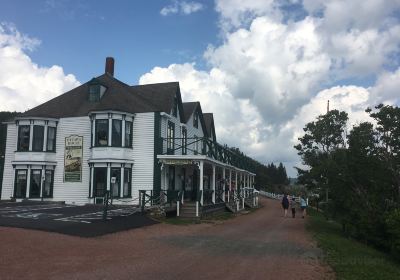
(350,259)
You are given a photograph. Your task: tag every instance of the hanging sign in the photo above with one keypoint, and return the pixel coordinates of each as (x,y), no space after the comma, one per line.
(73,158)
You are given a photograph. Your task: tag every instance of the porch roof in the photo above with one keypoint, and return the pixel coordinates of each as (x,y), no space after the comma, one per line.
(191,159)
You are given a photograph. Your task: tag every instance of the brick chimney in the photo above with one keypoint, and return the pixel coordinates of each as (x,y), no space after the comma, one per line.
(110,66)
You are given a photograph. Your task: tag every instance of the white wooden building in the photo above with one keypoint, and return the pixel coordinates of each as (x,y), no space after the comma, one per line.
(107,135)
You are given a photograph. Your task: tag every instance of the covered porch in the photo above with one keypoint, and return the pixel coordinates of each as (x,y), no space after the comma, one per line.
(204,184)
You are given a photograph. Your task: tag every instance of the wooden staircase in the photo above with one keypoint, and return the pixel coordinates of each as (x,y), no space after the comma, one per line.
(188,211)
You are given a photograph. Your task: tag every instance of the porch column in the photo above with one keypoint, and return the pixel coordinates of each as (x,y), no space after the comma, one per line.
(201,181)
(121,192)
(236,180)
(108,176)
(224,181)
(42,181)
(91,179)
(230,183)
(213,184)
(28,183)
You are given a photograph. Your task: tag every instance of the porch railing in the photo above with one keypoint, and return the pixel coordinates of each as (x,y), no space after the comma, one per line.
(209,148)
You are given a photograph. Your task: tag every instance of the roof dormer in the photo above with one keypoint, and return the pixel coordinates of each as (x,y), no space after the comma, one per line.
(96,90)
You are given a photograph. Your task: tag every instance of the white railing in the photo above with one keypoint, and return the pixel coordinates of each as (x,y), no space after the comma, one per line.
(278,196)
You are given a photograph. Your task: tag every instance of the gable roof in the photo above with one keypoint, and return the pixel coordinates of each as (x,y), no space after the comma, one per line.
(209,122)
(118,97)
(190,108)
(161,96)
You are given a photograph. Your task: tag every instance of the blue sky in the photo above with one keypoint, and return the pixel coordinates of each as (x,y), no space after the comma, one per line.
(263,67)
(79,34)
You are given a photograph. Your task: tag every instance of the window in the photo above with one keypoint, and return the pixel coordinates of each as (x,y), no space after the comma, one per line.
(184,141)
(175,107)
(170,137)
(23,138)
(101,133)
(127,182)
(48,183)
(196,120)
(94,93)
(115,173)
(51,139)
(116,139)
(128,134)
(36,177)
(38,136)
(20,183)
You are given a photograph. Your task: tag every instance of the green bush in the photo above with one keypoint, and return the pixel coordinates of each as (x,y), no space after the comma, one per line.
(393,229)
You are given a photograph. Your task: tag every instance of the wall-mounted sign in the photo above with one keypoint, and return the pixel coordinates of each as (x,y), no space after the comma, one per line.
(73,158)
(177,162)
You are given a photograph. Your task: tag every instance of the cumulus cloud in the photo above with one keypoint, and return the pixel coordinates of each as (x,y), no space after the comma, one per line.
(24,84)
(274,72)
(183,7)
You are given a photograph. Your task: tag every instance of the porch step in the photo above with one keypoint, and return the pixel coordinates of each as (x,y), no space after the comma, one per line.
(188,210)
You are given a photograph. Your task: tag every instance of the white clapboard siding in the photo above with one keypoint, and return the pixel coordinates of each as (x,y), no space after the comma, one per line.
(191,132)
(72,192)
(143,153)
(8,176)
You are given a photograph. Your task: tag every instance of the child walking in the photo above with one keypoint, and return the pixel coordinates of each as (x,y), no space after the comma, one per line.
(293,206)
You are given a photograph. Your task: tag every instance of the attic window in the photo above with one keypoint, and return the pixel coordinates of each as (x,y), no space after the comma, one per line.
(196,120)
(96,92)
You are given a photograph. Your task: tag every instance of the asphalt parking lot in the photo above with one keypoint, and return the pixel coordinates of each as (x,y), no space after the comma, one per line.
(83,221)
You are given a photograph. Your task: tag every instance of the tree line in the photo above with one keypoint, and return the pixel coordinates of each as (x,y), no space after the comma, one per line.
(356,173)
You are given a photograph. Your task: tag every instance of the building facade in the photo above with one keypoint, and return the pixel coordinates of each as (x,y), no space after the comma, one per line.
(108,136)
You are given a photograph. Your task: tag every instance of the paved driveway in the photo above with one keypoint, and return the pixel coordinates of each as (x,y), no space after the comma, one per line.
(259,245)
(85,221)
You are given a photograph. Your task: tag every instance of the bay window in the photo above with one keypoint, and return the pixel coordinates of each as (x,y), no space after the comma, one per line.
(51,139)
(38,138)
(23,138)
(101,133)
(128,134)
(116,138)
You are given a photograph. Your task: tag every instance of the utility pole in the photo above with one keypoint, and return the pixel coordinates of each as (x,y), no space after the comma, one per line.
(326,190)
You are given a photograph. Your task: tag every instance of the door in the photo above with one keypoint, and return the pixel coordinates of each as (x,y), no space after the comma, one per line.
(99,181)
(21,176)
(36,177)
(195,186)
(171,178)
(115,187)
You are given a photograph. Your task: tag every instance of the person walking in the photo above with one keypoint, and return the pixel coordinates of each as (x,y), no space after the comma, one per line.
(303,206)
(285,204)
(293,206)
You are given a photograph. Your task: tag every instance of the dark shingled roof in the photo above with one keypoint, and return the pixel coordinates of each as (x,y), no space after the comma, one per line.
(161,96)
(188,109)
(118,97)
(209,122)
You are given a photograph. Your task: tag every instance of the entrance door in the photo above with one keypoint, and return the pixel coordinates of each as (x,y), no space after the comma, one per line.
(194,184)
(171,178)
(36,177)
(99,181)
(21,177)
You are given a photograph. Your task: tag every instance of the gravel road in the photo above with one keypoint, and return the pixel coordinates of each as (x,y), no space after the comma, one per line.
(258,245)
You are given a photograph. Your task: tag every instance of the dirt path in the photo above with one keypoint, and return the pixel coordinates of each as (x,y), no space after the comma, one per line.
(260,245)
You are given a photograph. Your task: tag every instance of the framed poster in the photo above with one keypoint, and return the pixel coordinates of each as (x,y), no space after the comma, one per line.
(73,158)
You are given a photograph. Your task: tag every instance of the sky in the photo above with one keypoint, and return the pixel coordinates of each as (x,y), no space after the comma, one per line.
(265,68)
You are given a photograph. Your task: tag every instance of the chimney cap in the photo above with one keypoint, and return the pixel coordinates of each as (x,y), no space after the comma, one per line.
(109,68)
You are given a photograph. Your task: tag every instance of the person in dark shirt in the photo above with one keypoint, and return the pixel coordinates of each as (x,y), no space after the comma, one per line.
(285,204)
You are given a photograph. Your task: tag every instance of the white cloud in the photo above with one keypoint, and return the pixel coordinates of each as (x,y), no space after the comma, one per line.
(183,7)
(274,73)
(24,84)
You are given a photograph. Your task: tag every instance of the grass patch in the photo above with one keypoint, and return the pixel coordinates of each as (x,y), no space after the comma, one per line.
(349,258)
